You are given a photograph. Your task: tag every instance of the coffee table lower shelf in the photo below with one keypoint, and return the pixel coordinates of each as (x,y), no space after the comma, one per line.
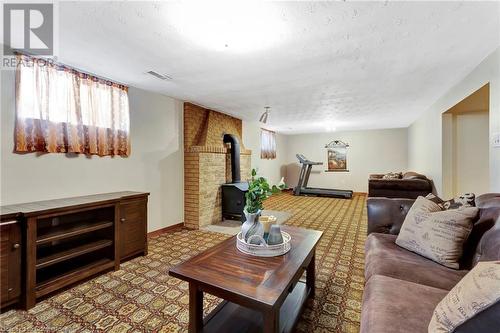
(231,317)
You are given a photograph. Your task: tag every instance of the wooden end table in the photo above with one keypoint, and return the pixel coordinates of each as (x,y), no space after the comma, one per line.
(260,294)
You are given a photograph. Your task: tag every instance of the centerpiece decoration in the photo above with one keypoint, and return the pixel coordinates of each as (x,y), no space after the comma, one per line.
(255,238)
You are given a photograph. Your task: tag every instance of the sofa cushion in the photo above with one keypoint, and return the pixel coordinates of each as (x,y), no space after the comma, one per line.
(413,175)
(475,293)
(488,248)
(396,306)
(436,234)
(488,200)
(384,257)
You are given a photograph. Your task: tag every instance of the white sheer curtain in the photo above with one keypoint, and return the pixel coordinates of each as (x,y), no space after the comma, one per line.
(267,144)
(59,109)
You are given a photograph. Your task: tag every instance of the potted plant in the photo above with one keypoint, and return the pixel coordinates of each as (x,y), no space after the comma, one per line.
(258,190)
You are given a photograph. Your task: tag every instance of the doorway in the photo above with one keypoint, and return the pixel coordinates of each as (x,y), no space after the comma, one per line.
(466,145)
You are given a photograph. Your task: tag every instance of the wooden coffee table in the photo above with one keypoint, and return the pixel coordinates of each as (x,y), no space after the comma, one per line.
(260,294)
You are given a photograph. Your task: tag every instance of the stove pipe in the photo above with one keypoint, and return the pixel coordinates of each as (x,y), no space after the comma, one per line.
(235,156)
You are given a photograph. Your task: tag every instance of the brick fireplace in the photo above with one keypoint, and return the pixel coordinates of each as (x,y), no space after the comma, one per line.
(207,163)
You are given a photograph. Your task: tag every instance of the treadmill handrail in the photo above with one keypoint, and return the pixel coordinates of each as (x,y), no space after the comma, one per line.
(303,160)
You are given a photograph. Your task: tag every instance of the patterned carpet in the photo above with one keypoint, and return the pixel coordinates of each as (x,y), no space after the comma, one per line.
(141,297)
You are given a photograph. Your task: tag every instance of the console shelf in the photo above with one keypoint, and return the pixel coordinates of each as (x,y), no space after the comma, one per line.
(47,235)
(52,281)
(59,253)
(65,241)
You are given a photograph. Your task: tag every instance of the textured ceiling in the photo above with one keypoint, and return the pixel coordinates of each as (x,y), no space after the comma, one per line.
(319,65)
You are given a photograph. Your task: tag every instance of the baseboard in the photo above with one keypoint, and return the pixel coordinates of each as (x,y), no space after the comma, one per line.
(170,228)
(290,190)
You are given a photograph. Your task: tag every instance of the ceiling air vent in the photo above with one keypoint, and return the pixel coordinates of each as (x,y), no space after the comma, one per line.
(159,76)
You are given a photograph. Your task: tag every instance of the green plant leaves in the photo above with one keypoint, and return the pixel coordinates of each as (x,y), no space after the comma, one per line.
(259,190)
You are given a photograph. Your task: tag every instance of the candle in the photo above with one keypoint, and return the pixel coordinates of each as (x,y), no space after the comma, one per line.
(266,222)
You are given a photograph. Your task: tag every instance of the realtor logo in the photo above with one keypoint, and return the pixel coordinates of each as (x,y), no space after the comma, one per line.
(28,28)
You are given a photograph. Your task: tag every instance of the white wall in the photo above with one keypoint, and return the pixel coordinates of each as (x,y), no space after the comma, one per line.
(274,169)
(471,148)
(155,164)
(425,134)
(465,160)
(370,151)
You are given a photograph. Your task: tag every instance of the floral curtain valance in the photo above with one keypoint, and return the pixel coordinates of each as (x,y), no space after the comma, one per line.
(267,145)
(62,110)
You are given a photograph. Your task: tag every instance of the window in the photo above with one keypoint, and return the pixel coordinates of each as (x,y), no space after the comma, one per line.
(267,144)
(61,110)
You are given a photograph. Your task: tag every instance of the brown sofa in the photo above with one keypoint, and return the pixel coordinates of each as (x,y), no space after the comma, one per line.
(410,185)
(403,288)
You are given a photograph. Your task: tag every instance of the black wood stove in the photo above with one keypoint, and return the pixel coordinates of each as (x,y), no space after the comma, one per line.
(233,194)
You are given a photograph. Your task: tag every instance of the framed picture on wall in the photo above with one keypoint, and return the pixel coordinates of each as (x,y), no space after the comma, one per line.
(337,156)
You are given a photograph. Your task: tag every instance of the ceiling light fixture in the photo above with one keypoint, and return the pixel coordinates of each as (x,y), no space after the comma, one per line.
(230,26)
(263,117)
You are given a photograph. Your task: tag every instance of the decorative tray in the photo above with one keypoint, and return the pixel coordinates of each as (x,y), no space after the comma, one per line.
(264,250)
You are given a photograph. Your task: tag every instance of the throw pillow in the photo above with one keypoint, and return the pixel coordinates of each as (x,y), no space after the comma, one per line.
(477,291)
(392,175)
(435,233)
(465,200)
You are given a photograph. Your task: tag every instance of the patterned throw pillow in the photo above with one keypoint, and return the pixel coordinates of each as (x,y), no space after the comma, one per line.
(393,175)
(435,233)
(465,200)
(477,291)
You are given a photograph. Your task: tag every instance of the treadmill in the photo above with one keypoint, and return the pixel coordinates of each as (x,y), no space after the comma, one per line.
(305,172)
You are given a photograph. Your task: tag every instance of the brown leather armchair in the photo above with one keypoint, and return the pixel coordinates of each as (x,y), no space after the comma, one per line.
(410,186)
